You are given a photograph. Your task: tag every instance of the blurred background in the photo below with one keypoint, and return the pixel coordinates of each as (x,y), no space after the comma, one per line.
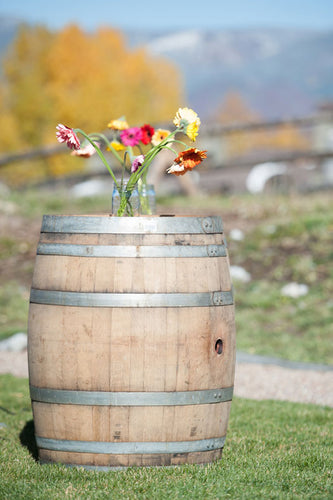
(259,74)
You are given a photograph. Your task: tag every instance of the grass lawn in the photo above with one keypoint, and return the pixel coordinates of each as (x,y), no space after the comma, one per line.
(273,450)
(285,239)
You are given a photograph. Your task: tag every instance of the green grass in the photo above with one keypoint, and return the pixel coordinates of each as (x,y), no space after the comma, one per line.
(273,450)
(294,329)
(33,204)
(287,238)
(276,251)
(14,309)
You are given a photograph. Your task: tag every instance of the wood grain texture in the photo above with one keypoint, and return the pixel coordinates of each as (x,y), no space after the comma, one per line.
(131,349)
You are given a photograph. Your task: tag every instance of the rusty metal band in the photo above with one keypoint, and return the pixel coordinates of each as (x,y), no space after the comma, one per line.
(103,398)
(131,225)
(95,299)
(124,251)
(130,448)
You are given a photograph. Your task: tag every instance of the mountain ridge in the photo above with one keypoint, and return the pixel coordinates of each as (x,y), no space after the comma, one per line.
(279,72)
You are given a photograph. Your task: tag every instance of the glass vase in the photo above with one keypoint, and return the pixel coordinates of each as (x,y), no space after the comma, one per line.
(125,201)
(147,199)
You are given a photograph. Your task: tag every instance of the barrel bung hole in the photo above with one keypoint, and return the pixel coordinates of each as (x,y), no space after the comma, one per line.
(219,346)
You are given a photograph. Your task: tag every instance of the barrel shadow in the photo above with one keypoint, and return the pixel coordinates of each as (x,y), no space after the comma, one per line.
(27,439)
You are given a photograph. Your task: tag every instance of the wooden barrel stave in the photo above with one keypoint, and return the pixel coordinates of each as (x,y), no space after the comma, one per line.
(148,349)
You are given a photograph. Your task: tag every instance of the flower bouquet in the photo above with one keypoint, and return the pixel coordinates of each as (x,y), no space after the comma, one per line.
(122,142)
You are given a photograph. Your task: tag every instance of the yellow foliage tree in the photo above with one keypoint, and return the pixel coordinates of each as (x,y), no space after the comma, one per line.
(82,80)
(26,84)
(234,110)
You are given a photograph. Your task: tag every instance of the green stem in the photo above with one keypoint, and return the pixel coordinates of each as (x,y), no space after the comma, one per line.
(170,149)
(96,136)
(150,157)
(99,152)
(181,142)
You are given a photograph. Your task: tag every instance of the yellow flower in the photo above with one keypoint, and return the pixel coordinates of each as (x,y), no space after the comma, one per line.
(118,146)
(159,136)
(120,124)
(192,131)
(187,120)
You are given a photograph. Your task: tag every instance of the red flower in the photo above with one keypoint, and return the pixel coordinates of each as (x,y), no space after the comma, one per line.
(147,133)
(66,134)
(187,160)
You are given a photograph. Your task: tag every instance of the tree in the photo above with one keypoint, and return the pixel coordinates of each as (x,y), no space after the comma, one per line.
(82,80)
(26,100)
(235,111)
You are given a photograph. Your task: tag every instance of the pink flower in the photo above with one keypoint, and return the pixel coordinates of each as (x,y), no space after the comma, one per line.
(66,134)
(87,150)
(137,162)
(131,136)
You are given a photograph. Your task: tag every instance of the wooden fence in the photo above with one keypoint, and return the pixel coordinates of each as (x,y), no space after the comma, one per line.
(319,129)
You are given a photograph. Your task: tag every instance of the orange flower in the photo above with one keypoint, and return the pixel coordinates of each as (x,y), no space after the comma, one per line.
(187,160)
(159,136)
(120,124)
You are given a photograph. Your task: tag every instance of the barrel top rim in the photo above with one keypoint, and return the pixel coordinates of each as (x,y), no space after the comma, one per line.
(137,217)
(155,224)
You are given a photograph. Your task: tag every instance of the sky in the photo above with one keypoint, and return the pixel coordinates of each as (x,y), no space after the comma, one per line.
(172,14)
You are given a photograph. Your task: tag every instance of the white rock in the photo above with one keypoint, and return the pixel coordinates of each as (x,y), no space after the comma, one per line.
(261,173)
(17,342)
(294,290)
(238,273)
(236,234)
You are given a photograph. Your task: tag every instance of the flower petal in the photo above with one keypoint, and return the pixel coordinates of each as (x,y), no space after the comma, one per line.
(131,136)
(137,162)
(67,135)
(119,124)
(85,151)
(147,133)
(187,160)
(177,169)
(159,136)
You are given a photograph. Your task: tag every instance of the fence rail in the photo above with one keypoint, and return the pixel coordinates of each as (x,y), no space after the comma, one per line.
(230,172)
(209,130)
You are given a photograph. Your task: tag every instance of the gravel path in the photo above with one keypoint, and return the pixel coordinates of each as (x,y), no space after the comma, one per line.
(263,381)
(254,380)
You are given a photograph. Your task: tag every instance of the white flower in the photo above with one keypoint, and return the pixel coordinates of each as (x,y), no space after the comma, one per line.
(175,168)
(186,116)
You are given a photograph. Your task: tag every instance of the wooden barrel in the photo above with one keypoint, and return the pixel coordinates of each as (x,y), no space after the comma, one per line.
(131,341)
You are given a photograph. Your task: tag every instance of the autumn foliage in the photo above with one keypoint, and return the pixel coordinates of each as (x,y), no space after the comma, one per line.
(77,78)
